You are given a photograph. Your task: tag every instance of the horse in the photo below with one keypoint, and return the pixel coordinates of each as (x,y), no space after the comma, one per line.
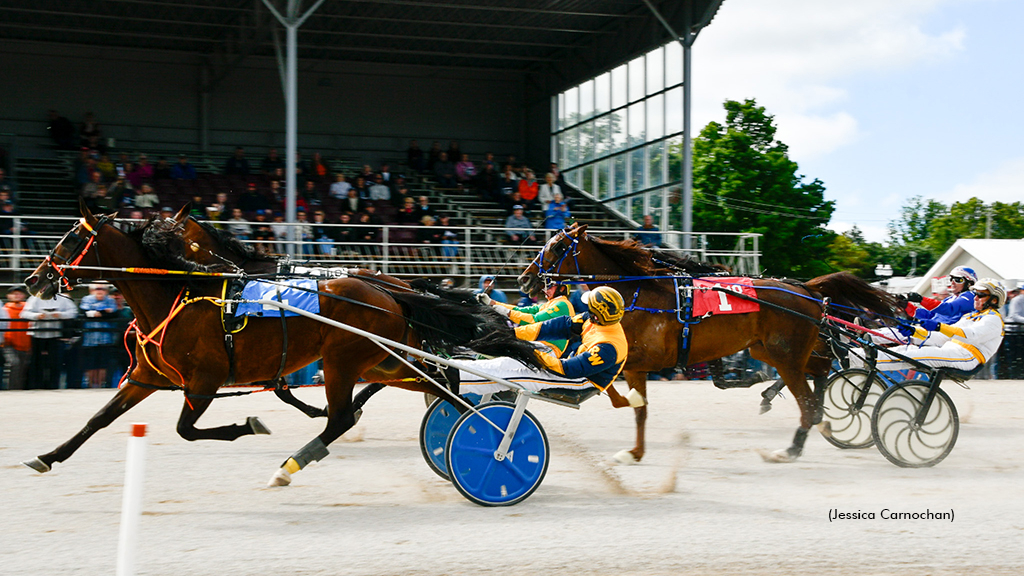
(181,338)
(783,332)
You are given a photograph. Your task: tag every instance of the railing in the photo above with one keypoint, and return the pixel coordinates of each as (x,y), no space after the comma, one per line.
(469,253)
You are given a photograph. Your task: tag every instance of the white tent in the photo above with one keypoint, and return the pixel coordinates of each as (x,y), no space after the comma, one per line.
(1002,259)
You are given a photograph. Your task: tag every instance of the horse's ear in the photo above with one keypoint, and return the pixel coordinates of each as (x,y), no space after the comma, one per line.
(581,232)
(86,213)
(183,213)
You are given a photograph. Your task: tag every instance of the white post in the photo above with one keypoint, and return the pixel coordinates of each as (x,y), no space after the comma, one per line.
(131,504)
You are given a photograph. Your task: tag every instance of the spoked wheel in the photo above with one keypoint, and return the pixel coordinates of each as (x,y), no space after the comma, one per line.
(898,436)
(434,429)
(851,426)
(478,474)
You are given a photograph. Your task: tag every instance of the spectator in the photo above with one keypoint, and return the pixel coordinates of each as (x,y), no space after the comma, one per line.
(345,233)
(237,165)
(414,157)
(271,163)
(546,192)
(556,213)
(262,233)
(375,218)
(102,201)
(408,214)
(353,203)
(528,189)
(6,184)
(122,192)
(251,200)
(106,168)
(647,234)
(89,132)
(183,170)
(276,195)
(9,224)
(515,199)
(238,225)
(507,185)
(61,130)
(98,335)
(304,231)
(166,213)
(379,191)
(1015,309)
(311,194)
(423,208)
(429,235)
(146,198)
(279,227)
(340,188)
(388,179)
(449,238)
(162,171)
(511,162)
(465,170)
(301,171)
(519,228)
(367,173)
(445,172)
(17,344)
(559,179)
(219,210)
(123,164)
(433,156)
(366,233)
(318,169)
(84,166)
(142,172)
(454,152)
(487,286)
(48,318)
(322,234)
(198,207)
(362,189)
(487,183)
(489,161)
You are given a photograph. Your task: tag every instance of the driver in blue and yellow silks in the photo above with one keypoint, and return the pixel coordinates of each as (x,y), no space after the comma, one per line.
(557,305)
(597,361)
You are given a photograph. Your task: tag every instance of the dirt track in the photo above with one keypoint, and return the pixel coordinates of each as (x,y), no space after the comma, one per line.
(702,502)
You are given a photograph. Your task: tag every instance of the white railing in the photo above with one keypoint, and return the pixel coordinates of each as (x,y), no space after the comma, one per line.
(472,252)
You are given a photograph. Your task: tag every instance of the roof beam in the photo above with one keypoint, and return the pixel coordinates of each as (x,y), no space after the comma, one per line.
(516,9)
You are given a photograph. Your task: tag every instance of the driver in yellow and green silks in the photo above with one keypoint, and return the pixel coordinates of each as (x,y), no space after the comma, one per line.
(557,305)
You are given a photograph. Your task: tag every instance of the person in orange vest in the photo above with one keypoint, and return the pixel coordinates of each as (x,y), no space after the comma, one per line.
(17,345)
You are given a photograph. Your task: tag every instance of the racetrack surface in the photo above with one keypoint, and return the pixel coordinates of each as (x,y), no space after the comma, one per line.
(701,502)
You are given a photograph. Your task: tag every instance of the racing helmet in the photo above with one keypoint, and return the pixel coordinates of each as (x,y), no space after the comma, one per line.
(605,304)
(560,289)
(992,287)
(965,273)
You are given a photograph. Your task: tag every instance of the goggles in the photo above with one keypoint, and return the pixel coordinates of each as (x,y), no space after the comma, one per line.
(957,279)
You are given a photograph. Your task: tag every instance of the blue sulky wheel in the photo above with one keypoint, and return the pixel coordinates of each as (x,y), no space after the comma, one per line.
(475,471)
(437,423)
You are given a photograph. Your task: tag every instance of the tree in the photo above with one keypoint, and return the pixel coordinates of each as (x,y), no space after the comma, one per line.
(744,181)
(850,251)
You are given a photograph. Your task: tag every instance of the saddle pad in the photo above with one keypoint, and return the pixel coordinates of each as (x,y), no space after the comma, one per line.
(260,290)
(715,302)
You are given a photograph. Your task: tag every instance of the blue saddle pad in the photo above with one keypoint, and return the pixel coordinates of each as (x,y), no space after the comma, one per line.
(260,290)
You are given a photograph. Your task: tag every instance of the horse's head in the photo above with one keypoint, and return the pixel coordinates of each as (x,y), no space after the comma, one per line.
(553,258)
(207,246)
(76,248)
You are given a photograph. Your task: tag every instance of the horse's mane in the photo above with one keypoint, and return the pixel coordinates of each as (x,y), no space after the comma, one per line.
(162,242)
(639,260)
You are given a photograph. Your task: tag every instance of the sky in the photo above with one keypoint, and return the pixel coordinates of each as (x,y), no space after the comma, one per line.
(881,100)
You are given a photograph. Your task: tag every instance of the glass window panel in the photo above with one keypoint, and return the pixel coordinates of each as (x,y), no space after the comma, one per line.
(621,173)
(656,202)
(617,130)
(656,164)
(674,111)
(675,164)
(602,136)
(561,111)
(572,106)
(587,179)
(637,168)
(673,64)
(602,93)
(638,209)
(563,150)
(572,142)
(604,183)
(573,177)
(636,79)
(655,117)
(586,99)
(655,70)
(636,124)
(620,86)
(586,142)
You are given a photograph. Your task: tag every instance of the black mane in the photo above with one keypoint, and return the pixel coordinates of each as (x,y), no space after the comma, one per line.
(640,260)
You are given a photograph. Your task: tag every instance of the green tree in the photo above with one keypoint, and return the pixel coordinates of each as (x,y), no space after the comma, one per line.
(850,251)
(744,181)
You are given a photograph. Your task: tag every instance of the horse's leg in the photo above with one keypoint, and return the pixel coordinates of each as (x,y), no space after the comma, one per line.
(341,416)
(194,408)
(770,393)
(807,401)
(126,397)
(285,394)
(637,383)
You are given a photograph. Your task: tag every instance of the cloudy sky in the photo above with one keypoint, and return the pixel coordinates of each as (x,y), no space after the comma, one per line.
(882,100)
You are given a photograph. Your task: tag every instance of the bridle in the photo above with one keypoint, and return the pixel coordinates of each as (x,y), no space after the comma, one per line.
(549,261)
(82,244)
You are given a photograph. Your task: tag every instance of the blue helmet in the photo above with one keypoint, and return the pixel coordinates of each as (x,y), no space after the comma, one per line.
(965,273)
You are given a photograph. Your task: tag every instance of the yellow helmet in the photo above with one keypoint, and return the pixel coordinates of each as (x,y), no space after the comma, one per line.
(605,304)
(991,287)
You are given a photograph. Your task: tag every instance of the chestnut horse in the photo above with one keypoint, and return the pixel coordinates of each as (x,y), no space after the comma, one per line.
(181,342)
(782,333)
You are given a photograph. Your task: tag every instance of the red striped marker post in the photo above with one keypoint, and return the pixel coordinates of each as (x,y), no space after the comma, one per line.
(131,504)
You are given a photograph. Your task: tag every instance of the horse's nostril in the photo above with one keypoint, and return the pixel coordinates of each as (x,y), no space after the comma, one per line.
(31,281)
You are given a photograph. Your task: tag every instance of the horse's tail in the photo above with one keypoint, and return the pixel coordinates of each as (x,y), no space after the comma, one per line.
(445,324)
(849,291)
(466,298)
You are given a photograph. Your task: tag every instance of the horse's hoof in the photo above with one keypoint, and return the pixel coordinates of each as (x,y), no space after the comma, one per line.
(766,405)
(37,465)
(825,428)
(257,425)
(624,457)
(780,456)
(280,478)
(635,399)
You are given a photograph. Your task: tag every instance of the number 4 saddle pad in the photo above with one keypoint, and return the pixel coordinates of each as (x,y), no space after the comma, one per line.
(706,300)
(300,293)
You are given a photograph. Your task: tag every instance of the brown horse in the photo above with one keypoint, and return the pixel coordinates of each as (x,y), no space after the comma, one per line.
(181,344)
(782,333)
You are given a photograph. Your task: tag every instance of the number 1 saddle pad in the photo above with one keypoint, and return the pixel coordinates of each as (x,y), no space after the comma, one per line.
(300,293)
(706,300)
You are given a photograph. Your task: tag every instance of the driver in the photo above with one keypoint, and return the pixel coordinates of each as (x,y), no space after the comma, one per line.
(596,362)
(557,305)
(963,345)
(948,311)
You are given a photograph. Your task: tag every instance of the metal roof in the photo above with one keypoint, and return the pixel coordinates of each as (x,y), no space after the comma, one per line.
(517,35)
